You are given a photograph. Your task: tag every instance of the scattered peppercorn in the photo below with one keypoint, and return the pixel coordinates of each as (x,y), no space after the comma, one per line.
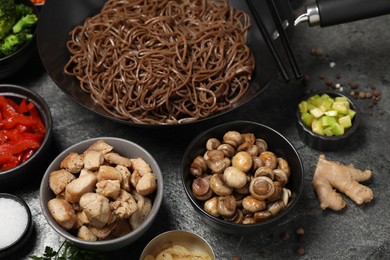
(353,84)
(236,257)
(329,82)
(300,251)
(284,236)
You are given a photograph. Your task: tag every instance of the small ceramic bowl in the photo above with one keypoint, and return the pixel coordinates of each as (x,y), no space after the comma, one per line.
(22,173)
(187,239)
(124,148)
(277,143)
(13,63)
(17,224)
(328,143)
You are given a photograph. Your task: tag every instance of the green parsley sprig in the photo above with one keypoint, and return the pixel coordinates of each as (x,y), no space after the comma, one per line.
(68,251)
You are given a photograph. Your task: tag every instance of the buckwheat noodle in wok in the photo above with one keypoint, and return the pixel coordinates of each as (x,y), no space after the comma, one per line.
(162,62)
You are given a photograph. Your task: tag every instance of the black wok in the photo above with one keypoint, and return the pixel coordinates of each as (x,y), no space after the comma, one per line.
(58,17)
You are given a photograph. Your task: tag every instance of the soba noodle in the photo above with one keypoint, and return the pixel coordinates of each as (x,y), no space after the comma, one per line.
(162,61)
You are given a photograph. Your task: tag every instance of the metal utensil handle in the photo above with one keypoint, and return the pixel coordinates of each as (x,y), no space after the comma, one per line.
(332,12)
(342,11)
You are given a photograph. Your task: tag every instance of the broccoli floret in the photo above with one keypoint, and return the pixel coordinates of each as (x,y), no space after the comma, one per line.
(7,17)
(26,21)
(13,42)
(22,10)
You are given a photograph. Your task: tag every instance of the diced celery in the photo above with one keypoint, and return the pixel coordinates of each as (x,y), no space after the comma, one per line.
(341,99)
(328,131)
(303,107)
(351,113)
(331,113)
(307,118)
(340,107)
(337,129)
(316,112)
(345,121)
(316,127)
(315,100)
(328,120)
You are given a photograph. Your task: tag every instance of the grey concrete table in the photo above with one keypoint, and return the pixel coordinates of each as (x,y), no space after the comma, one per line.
(357,51)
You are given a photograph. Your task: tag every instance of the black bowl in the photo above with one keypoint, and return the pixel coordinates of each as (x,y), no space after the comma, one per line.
(28,169)
(328,143)
(59,17)
(20,236)
(11,64)
(277,143)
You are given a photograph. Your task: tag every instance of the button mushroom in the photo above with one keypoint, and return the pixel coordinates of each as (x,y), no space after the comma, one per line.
(264,171)
(226,206)
(212,144)
(269,159)
(210,206)
(252,204)
(283,165)
(262,215)
(217,162)
(277,192)
(276,207)
(234,138)
(261,144)
(227,149)
(198,166)
(242,161)
(218,185)
(201,188)
(261,188)
(234,177)
(280,176)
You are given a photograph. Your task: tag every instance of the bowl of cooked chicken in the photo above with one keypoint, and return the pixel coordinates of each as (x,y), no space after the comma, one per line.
(102,194)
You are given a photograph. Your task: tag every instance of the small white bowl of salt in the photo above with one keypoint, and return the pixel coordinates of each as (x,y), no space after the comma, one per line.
(15,225)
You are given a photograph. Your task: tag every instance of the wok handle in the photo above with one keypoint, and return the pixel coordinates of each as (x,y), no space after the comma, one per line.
(332,12)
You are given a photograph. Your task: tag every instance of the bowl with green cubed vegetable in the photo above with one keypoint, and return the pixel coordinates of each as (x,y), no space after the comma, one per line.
(18,20)
(326,120)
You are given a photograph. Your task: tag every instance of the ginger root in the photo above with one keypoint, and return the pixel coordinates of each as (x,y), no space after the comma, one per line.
(330,175)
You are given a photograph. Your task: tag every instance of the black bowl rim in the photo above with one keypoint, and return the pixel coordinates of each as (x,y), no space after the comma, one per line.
(349,132)
(25,46)
(230,225)
(137,232)
(29,219)
(9,90)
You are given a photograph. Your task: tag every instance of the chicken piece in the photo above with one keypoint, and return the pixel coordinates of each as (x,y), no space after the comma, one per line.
(106,172)
(59,179)
(85,234)
(73,162)
(144,206)
(93,159)
(140,165)
(101,146)
(114,158)
(103,232)
(134,178)
(76,188)
(124,205)
(62,212)
(147,184)
(122,227)
(85,171)
(126,175)
(97,209)
(108,188)
(81,219)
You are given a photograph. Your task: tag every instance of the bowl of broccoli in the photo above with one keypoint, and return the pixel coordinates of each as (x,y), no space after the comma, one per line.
(18,20)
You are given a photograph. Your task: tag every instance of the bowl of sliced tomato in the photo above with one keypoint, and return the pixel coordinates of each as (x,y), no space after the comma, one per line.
(25,134)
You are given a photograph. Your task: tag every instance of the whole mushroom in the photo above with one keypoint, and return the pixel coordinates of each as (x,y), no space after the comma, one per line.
(219,186)
(226,206)
(242,161)
(261,187)
(201,188)
(234,177)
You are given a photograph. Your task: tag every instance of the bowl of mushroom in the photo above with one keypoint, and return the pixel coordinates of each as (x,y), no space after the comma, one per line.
(102,194)
(242,176)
